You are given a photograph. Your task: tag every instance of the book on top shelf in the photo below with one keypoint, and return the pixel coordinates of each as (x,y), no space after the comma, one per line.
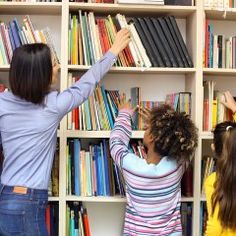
(154,42)
(13,35)
(180,2)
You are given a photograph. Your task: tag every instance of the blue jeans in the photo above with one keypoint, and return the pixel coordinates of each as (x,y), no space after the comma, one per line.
(22,214)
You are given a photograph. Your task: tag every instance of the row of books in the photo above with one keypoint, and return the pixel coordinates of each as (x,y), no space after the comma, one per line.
(219,51)
(77,220)
(186,218)
(208,166)
(92,173)
(145,2)
(100,110)
(154,42)
(220,3)
(13,35)
(214,111)
(52,218)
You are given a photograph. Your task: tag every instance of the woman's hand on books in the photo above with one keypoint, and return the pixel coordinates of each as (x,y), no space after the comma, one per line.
(121,41)
(229,101)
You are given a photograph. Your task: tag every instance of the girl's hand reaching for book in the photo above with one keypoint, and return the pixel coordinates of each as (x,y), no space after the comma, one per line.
(229,101)
(145,113)
(123,104)
(121,41)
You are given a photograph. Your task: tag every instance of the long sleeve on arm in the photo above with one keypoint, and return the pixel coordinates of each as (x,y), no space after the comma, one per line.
(83,88)
(120,137)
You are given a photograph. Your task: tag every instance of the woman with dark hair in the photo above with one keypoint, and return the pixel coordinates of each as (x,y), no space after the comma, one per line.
(29,118)
(220,186)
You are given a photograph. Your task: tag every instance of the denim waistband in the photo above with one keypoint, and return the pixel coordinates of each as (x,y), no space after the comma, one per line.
(30,192)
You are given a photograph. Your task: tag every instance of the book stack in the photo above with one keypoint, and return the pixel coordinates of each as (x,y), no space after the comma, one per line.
(214,111)
(219,50)
(180,102)
(77,221)
(92,172)
(208,167)
(220,3)
(13,35)
(52,218)
(154,42)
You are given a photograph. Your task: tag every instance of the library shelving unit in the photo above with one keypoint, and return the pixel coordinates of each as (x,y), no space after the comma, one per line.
(106,213)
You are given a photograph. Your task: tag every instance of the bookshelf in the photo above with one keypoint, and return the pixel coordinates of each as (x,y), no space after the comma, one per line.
(106,213)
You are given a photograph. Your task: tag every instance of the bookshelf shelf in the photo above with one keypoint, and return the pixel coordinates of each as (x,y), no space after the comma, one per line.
(220,13)
(53,199)
(112,199)
(4,68)
(219,71)
(133,70)
(178,11)
(97,134)
(192,27)
(41,8)
(96,199)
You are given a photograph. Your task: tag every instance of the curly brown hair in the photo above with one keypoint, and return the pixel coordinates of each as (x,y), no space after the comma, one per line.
(174,133)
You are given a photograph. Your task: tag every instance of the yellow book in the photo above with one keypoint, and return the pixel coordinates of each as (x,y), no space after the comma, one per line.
(214,113)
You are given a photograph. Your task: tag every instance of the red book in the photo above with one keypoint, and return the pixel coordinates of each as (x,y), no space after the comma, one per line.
(86,223)
(47,216)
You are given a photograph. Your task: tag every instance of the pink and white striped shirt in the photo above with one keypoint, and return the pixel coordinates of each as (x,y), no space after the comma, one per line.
(153,191)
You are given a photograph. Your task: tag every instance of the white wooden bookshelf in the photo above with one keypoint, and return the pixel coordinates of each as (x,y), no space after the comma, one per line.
(155,84)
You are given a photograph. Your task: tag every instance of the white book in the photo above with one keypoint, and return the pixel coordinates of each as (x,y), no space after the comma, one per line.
(140,46)
(123,24)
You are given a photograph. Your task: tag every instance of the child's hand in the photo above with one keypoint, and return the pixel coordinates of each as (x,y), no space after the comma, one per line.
(145,113)
(229,101)
(123,104)
(121,41)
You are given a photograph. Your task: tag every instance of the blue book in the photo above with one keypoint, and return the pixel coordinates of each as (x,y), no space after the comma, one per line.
(103,171)
(18,31)
(87,115)
(105,158)
(97,169)
(11,39)
(15,34)
(77,166)
(100,171)
(107,107)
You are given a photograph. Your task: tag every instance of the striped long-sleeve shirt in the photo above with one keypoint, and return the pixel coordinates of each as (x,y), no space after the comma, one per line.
(153,190)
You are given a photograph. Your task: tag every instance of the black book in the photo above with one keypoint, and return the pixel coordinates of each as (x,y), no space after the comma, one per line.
(220,56)
(145,42)
(151,42)
(72,165)
(164,42)
(176,40)
(179,2)
(171,42)
(158,42)
(181,41)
